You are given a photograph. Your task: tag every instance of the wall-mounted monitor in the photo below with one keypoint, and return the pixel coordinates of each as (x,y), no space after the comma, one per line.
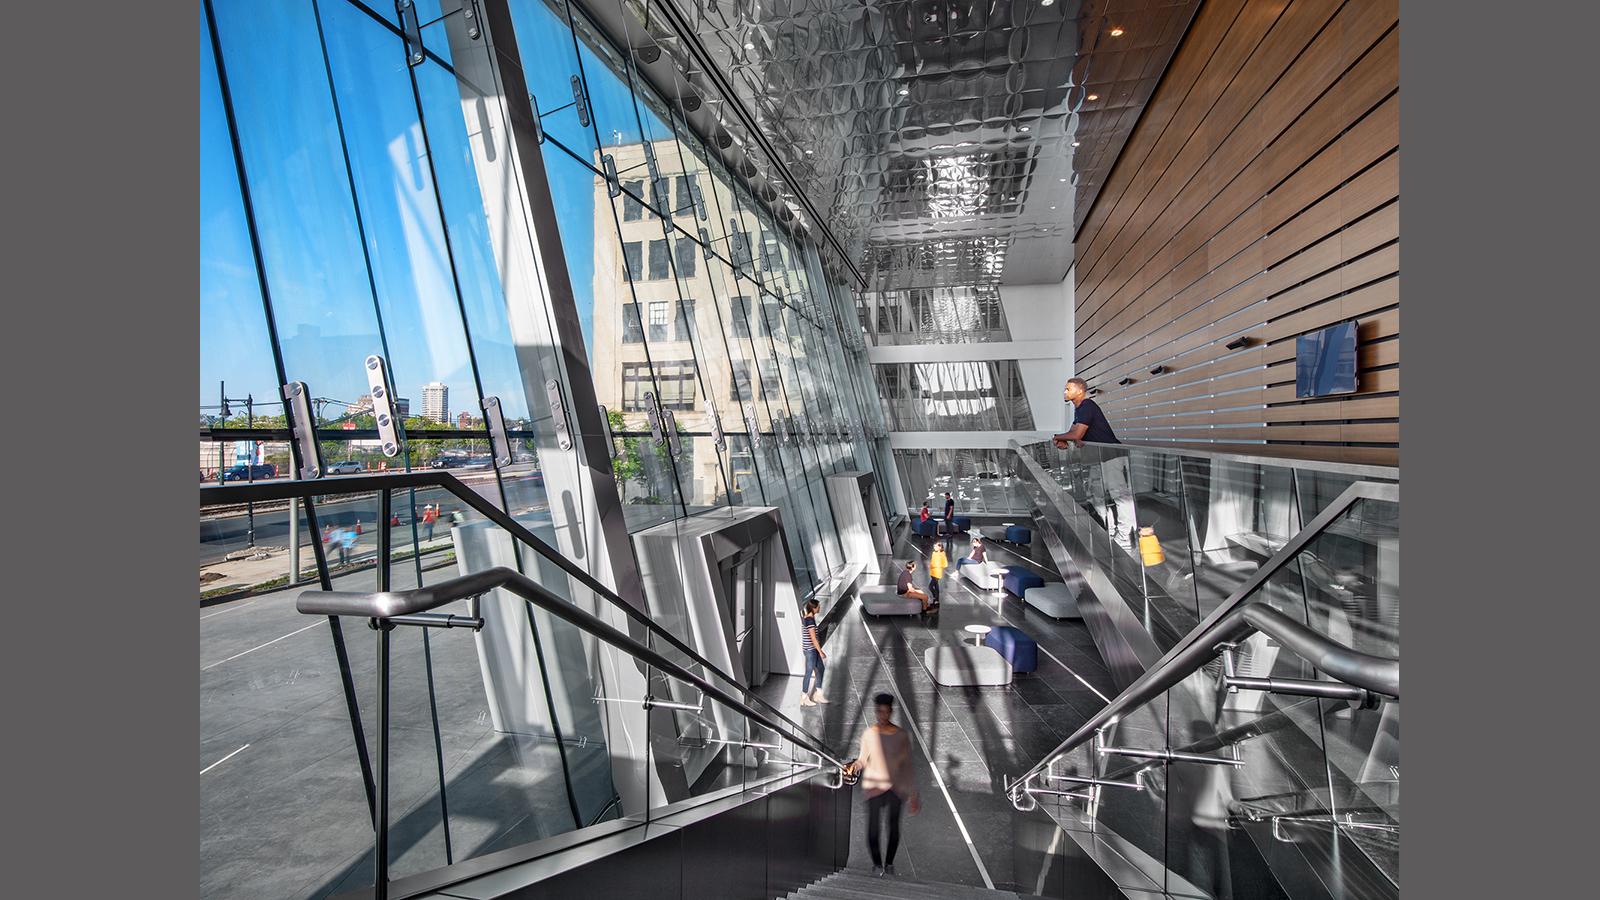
(1325,361)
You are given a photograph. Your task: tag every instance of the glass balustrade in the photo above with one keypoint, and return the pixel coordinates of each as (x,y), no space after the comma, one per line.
(524,728)
(1260,793)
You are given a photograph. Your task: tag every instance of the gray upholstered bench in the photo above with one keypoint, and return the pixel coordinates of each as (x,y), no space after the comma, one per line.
(985,576)
(992,532)
(1054,600)
(964,664)
(881,600)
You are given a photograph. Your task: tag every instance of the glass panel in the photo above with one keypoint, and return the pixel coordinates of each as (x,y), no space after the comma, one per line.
(322,295)
(236,346)
(406,249)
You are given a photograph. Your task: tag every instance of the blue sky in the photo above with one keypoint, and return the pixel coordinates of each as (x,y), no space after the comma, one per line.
(348,205)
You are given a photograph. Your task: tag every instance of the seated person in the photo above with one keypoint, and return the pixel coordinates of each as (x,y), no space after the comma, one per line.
(902,586)
(977,553)
(924,515)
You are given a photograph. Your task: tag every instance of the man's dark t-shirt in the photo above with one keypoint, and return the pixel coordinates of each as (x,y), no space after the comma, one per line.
(1098,430)
(903,583)
(949,509)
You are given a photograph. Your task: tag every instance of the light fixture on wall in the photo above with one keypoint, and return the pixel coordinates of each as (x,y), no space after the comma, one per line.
(1126,381)
(1158,370)
(1238,343)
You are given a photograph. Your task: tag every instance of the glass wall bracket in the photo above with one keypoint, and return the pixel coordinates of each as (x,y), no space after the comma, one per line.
(383,405)
(304,429)
(498,440)
(408,20)
(583,106)
(613,185)
(654,415)
(537,120)
(752,424)
(558,411)
(669,424)
(717,437)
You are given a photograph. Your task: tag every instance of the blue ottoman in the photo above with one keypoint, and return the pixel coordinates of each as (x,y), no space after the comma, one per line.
(1017,579)
(961,523)
(1016,647)
(928,528)
(1016,534)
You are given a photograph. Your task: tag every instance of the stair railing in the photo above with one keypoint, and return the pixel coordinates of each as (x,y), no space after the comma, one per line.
(388,609)
(1359,677)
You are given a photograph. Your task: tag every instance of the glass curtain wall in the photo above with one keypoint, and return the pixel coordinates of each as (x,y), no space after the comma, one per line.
(359,199)
(715,351)
(343,217)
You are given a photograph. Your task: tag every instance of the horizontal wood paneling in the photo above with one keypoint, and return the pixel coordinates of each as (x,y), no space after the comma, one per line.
(1258,196)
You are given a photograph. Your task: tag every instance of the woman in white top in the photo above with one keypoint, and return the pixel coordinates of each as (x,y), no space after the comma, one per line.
(885,767)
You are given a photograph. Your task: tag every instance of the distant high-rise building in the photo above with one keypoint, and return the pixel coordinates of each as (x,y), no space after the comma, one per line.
(436,402)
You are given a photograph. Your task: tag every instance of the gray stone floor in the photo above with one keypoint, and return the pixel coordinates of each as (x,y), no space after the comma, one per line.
(284,815)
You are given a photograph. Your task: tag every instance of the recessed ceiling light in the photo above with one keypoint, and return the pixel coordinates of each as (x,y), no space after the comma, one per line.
(1076,143)
(749,46)
(1116,32)
(904,91)
(1023,128)
(1063,179)
(808,152)
(1047,2)
(1052,207)
(1094,97)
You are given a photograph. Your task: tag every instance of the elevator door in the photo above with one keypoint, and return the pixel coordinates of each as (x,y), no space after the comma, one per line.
(742,583)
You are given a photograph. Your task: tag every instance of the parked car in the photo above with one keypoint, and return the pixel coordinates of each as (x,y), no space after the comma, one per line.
(345,467)
(245,472)
(448,462)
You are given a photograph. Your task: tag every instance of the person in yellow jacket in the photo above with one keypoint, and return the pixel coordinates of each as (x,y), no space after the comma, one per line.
(936,567)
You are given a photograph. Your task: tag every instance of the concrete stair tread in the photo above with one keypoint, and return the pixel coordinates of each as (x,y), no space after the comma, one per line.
(851,884)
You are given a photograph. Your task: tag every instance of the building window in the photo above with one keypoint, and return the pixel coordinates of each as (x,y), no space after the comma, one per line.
(632,328)
(636,382)
(673,381)
(771,317)
(658,320)
(686,252)
(676,381)
(686,194)
(739,387)
(633,255)
(741,316)
(632,209)
(661,191)
(680,327)
(771,387)
(658,260)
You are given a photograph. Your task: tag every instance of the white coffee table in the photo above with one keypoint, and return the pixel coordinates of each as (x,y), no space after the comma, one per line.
(977,632)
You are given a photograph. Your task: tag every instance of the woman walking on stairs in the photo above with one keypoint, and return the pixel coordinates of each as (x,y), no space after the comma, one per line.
(885,767)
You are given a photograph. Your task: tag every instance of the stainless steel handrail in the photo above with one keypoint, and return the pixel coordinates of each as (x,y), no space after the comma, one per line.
(390,604)
(1234,620)
(1355,470)
(355,484)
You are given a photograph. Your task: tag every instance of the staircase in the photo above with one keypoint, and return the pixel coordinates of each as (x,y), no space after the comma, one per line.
(851,884)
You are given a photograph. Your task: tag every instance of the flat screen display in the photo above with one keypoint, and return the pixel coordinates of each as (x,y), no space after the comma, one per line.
(1325,361)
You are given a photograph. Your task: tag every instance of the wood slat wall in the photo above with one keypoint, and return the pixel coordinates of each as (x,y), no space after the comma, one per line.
(1258,197)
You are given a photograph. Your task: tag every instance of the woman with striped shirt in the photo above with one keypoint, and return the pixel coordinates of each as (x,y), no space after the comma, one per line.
(814,656)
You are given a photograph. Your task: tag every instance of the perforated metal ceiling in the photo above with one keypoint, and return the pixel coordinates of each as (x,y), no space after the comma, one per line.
(933,138)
